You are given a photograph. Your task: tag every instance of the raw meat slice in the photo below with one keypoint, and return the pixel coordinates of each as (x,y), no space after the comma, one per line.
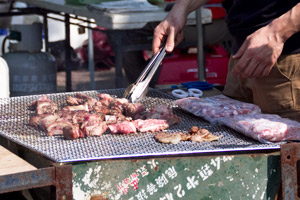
(124,127)
(264,127)
(211,108)
(151,125)
(163,112)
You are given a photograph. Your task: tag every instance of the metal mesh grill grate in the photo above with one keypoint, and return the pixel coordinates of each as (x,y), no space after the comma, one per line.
(14,117)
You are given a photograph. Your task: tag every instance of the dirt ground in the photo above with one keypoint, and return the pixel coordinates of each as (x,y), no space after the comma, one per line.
(104,79)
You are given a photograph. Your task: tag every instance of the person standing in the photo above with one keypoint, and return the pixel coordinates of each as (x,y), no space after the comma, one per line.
(264,68)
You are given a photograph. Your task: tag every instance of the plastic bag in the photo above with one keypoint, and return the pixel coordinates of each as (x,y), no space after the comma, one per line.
(211,108)
(264,127)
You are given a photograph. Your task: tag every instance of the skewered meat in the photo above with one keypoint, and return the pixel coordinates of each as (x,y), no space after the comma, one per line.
(151,125)
(211,108)
(124,127)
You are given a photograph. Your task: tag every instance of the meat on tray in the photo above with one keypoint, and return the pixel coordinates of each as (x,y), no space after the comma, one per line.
(84,116)
(211,108)
(264,127)
(195,134)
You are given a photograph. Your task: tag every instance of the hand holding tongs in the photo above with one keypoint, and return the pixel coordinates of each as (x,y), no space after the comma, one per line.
(138,90)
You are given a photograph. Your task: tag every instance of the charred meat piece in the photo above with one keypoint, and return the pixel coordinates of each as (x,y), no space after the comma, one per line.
(99,108)
(116,105)
(46,107)
(165,137)
(95,129)
(105,96)
(93,126)
(43,98)
(163,112)
(43,120)
(201,135)
(72,101)
(81,99)
(124,127)
(72,132)
(105,99)
(43,105)
(56,128)
(151,125)
(133,109)
(193,129)
(84,107)
(116,118)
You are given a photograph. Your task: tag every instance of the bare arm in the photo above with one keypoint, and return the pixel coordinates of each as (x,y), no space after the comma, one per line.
(172,25)
(260,51)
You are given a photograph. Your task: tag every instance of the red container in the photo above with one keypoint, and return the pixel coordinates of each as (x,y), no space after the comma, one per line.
(179,68)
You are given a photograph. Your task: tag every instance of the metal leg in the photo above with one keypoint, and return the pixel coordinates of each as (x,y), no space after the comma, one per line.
(91,58)
(116,42)
(68,54)
(290,157)
(200,52)
(63,177)
(45,18)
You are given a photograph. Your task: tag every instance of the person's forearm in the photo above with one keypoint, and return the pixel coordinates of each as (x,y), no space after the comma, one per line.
(287,24)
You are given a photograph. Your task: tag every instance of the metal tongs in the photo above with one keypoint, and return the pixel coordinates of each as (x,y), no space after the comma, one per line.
(138,90)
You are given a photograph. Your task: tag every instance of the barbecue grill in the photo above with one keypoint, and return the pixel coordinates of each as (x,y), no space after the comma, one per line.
(136,166)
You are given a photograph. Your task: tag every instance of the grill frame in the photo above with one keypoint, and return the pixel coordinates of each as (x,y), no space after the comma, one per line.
(14,118)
